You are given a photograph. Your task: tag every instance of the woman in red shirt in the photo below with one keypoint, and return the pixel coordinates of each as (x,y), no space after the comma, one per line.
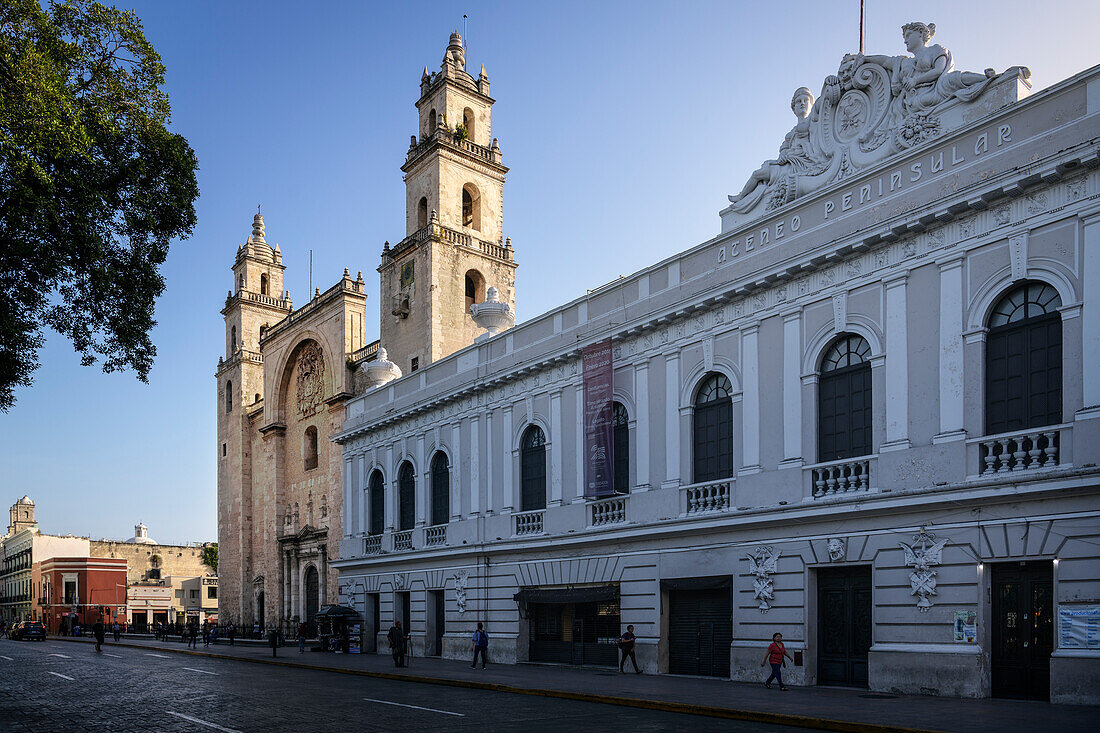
(774,656)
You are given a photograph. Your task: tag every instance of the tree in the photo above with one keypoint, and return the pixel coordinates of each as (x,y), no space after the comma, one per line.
(210,555)
(93,186)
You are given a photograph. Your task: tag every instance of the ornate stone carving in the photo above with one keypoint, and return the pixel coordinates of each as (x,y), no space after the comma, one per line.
(461,579)
(873,107)
(762,564)
(400,581)
(311,379)
(923,556)
(838,549)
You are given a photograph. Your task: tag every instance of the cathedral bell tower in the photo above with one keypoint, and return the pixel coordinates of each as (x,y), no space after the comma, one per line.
(454,248)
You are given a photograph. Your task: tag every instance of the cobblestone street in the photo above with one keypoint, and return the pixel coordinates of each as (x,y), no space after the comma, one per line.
(57,686)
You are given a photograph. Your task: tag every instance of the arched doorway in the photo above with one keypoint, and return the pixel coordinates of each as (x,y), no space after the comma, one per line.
(313,595)
(260,610)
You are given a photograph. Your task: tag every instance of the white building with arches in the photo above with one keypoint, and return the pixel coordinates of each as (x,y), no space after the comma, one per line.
(866,415)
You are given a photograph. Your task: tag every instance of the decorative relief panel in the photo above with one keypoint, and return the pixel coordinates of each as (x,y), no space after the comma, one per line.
(311,379)
(762,563)
(923,556)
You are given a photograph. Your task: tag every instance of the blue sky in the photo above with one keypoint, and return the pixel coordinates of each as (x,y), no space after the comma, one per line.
(625,124)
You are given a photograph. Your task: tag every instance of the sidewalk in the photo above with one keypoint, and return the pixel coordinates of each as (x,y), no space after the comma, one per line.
(810,707)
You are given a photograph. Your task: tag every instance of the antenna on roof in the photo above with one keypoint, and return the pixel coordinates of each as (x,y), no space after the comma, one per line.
(862,15)
(465,42)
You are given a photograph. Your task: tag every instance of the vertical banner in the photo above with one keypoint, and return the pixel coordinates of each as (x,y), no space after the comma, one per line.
(598,467)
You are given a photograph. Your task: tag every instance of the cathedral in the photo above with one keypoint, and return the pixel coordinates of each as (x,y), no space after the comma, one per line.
(287,373)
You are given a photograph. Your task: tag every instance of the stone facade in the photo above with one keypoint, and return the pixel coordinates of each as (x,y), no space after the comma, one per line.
(888,567)
(287,373)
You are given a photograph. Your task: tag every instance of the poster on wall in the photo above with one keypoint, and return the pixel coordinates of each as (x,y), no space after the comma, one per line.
(599,462)
(966,626)
(1079,627)
(353,638)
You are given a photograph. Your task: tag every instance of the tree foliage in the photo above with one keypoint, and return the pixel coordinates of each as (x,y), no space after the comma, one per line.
(210,556)
(93,186)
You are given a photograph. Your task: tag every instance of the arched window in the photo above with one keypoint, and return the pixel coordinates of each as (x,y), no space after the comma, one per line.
(229,396)
(468,122)
(441,488)
(309,448)
(422,213)
(620,442)
(263,284)
(406,496)
(377,490)
(533,469)
(844,400)
(233,340)
(431,122)
(712,429)
(471,207)
(1023,360)
(475,288)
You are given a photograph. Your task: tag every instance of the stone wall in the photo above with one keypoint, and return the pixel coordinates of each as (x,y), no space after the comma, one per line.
(181,560)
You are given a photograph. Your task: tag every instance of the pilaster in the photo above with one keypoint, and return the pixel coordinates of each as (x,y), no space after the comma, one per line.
(897,365)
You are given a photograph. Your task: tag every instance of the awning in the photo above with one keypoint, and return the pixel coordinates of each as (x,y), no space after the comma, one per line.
(713,582)
(568,595)
(337,612)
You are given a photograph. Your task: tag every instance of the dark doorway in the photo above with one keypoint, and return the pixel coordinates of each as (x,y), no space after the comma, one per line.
(404,612)
(439,623)
(260,611)
(575,633)
(374,621)
(1023,629)
(700,626)
(313,596)
(844,625)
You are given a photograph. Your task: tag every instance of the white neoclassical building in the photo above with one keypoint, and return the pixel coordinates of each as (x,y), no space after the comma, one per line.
(866,415)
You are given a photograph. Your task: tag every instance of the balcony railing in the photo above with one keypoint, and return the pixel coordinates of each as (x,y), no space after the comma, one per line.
(845,476)
(372,544)
(1024,450)
(403,540)
(435,536)
(607,511)
(707,497)
(527,523)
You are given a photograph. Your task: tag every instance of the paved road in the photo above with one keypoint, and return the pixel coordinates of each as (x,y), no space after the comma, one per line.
(57,686)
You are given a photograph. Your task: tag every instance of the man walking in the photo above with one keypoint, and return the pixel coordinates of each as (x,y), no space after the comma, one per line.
(397,640)
(481,645)
(626,643)
(116,631)
(302,630)
(206,632)
(232,633)
(273,640)
(99,632)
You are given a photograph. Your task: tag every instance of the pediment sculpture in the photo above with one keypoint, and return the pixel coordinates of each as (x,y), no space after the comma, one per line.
(874,106)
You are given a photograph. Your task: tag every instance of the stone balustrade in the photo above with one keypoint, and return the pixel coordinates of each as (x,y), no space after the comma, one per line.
(402,540)
(840,477)
(709,496)
(435,536)
(527,523)
(607,511)
(372,544)
(1024,450)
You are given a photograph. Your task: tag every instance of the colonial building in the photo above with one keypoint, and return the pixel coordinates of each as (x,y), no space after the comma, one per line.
(865,415)
(21,550)
(287,373)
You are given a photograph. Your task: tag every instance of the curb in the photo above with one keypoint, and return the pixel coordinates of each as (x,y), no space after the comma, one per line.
(710,711)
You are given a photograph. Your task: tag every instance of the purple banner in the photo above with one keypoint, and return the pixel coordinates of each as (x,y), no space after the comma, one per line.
(599,480)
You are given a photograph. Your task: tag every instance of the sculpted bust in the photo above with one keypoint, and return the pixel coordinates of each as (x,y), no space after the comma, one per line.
(873,107)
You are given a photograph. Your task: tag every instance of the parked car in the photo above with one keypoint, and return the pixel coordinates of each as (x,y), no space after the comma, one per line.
(28,630)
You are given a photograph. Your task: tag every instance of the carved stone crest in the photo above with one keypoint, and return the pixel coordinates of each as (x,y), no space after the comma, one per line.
(311,380)
(838,549)
(461,579)
(762,564)
(923,556)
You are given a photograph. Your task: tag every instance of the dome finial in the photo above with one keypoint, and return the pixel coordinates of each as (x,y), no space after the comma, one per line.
(258,226)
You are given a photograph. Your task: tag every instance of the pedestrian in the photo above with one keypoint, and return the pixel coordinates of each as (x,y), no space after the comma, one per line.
(206,632)
(774,656)
(232,633)
(98,631)
(116,631)
(193,635)
(273,640)
(626,644)
(397,639)
(302,631)
(480,645)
